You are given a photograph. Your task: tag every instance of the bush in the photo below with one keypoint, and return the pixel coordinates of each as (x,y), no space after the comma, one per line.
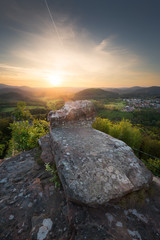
(20,113)
(5,135)
(127,133)
(53,171)
(55,105)
(2,148)
(25,135)
(153,165)
(102,125)
(151,146)
(122,130)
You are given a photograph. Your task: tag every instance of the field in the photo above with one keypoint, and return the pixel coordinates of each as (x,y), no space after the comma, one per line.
(116,105)
(11,109)
(115,115)
(7,109)
(38,109)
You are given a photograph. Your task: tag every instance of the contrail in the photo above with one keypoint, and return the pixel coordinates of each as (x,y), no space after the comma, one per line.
(54,24)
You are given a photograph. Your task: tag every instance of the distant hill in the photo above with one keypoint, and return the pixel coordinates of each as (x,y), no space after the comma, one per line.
(136,91)
(15,93)
(53,92)
(144,92)
(3,85)
(94,93)
(13,97)
(10,89)
(123,90)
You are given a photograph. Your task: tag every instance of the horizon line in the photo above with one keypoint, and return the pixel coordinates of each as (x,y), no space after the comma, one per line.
(22,86)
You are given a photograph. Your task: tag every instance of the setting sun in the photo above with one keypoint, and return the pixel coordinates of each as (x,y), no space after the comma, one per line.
(55,79)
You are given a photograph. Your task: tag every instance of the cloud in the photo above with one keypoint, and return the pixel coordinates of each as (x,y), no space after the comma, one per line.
(80,60)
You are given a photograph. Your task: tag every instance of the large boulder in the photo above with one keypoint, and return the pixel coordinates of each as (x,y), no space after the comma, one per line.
(94,167)
(72,111)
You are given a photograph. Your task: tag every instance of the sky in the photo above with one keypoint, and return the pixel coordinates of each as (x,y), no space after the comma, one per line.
(73,43)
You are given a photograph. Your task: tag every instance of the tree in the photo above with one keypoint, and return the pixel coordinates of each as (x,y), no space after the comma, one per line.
(21,113)
(25,135)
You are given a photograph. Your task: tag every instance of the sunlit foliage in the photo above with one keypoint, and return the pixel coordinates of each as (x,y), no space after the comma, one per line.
(25,135)
(20,113)
(123,130)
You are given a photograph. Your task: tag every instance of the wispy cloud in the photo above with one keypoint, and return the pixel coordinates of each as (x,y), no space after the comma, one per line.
(81,61)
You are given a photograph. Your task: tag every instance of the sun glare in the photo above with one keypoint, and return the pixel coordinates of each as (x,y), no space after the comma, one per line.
(55,79)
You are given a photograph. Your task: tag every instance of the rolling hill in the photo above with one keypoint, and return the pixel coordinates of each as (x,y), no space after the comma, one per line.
(53,92)
(94,93)
(13,97)
(144,92)
(15,93)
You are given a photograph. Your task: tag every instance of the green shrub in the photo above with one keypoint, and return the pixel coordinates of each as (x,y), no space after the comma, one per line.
(98,105)
(2,148)
(53,171)
(127,133)
(153,165)
(114,131)
(102,125)
(20,113)
(55,104)
(25,135)
(122,130)
(150,146)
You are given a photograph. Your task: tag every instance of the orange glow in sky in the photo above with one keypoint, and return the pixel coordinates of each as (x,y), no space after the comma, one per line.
(62,44)
(79,62)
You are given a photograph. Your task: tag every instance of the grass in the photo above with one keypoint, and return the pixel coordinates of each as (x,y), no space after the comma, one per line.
(115,115)
(115,105)
(11,109)
(7,109)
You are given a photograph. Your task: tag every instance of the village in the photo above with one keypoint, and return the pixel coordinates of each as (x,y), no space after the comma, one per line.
(136,103)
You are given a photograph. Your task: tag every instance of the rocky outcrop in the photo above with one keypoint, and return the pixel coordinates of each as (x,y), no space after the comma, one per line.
(72,111)
(94,167)
(31,208)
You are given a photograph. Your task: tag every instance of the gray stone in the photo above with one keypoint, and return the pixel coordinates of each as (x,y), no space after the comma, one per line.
(140,216)
(4,180)
(42,233)
(135,234)
(94,167)
(46,155)
(48,223)
(72,111)
(119,224)
(20,194)
(44,229)
(30,204)
(110,218)
(11,217)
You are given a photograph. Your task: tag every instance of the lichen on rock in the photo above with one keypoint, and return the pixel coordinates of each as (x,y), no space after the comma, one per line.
(94,167)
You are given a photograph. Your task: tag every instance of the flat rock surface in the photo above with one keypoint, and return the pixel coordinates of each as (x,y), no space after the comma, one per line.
(94,167)
(31,208)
